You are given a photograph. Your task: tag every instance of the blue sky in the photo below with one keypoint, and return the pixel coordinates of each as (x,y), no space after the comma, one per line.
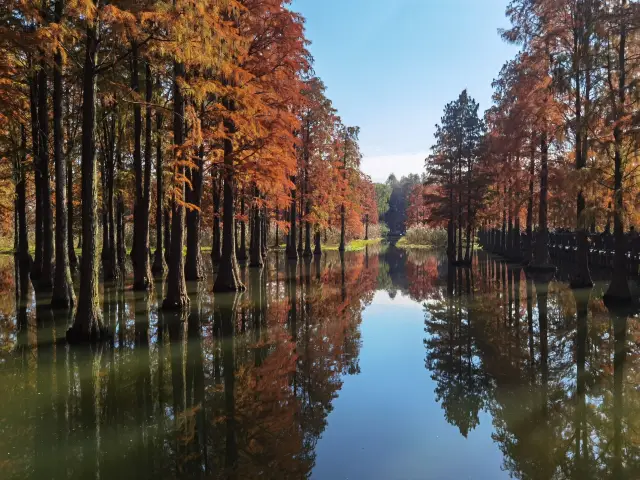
(391,65)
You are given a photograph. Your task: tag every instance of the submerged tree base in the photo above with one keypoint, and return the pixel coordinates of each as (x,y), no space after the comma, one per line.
(95,334)
(175,304)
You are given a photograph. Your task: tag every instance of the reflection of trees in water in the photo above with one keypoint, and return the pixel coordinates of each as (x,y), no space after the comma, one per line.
(239,388)
(556,372)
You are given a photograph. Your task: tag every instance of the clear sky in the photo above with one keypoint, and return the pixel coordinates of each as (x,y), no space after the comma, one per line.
(391,66)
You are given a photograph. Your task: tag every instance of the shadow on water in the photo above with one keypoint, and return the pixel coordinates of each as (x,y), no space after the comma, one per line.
(242,385)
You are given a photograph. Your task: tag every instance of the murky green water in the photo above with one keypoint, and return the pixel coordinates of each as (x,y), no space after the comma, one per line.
(382,366)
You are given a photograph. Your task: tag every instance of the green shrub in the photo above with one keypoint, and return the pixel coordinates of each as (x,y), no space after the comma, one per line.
(421,235)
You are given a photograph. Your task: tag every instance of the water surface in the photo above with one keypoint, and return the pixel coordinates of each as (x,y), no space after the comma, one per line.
(379,365)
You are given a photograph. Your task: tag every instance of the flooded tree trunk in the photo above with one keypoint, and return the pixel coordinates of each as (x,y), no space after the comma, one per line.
(317,251)
(142,278)
(176,297)
(44,282)
(194,267)
(291,243)
(36,268)
(242,250)
(159,266)
(307,232)
(541,257)
(216,240)
(255,249)
(22,230)
(167,234)
(87,323)
(528,254)
(228,278)
(120,240)
(63,294)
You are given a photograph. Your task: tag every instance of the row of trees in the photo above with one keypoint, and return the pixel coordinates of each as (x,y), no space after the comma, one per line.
(180,108)
(562,131)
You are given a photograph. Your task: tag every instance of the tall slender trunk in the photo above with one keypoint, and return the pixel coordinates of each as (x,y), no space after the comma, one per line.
(87,324)
(193,267)
(619,287)
(176,297)
(291,244)
(22,231)
(142,278)
(581,276)
(228,278)
(216,240)
(541,257)
(317,251)
(73,259)
(120,241)
(255,249)
(45,280)
(242,250)
(528,254)
(167,234)
(63,294)
(159,265)
(36,269)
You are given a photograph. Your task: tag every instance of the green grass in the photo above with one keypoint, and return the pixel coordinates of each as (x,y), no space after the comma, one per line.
(354,245)
(404,243)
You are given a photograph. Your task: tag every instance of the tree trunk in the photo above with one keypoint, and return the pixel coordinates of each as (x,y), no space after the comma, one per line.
(541,257)
(317,251)
(291,244)
(343,233)
(36,268)
(87,325)
(528,254)
(216,241)
(63,294)
(159,265)
(120,240)
(618,290)
(242,250)
(255,249)
(176,297)
(142,278)
(194,268)
(22,232)
(167,235)
(45,281)
(581,276)
(366,227)
(228,279)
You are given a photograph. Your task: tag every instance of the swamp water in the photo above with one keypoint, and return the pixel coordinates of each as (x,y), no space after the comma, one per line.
(379,365)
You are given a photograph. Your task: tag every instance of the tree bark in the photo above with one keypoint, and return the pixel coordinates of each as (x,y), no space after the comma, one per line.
(45,280)
(242,250)
(255,250)
(228,279)
(216,241)
(63,294)
(176,297)
(36,268)
(194,268)
(618,290)
(159,265)
(292,252)
(142,278)
(22,232)
(88,325)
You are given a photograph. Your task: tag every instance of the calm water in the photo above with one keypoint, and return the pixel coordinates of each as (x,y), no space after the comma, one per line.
(380,366)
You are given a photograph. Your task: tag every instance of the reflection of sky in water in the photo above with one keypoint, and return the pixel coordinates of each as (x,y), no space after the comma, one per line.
(386,423)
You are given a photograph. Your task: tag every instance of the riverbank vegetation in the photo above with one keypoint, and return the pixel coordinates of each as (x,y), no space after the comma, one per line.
(144,125)
(557,149)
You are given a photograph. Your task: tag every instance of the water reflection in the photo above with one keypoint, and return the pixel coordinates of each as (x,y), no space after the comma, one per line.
(242,386)
(561,386)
